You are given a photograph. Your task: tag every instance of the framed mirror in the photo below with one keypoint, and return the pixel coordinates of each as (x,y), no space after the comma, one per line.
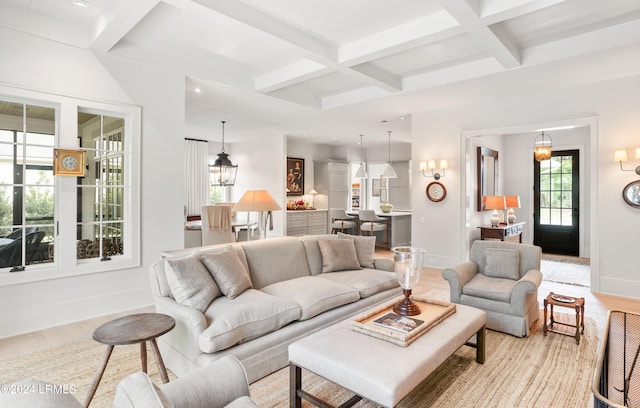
(487,171)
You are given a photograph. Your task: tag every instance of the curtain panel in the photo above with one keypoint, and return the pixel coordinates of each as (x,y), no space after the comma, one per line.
(196,173)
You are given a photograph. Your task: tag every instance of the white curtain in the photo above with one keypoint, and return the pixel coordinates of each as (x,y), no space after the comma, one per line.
(196,175)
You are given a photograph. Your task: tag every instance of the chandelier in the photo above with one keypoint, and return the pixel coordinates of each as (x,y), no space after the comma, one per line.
(224,172)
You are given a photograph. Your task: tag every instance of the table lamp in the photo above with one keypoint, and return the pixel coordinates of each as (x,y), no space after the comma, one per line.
(261,201)
(495,203)
(512,202)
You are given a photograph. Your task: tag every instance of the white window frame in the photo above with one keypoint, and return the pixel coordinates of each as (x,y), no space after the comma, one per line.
(65,263)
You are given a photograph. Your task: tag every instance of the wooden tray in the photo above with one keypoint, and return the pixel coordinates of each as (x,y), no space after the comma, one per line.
(432,313)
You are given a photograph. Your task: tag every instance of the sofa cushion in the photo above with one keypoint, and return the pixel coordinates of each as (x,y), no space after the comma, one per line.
(137,390)
(250,315)
(275,259)
(502,263)
(227,271)
(313,294)
(190,282)
(482,286)
(338,255)
(365,248)
(366,281)
(312,250)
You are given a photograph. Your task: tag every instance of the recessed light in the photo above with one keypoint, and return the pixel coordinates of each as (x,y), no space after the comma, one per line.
(556,128)
(80,3)
(197,90)
(402,118)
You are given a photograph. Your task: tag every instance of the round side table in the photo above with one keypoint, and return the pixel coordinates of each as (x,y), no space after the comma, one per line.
(132,329)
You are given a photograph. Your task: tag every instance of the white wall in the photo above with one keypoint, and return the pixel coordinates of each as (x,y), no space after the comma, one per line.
(615,225)
(47,66)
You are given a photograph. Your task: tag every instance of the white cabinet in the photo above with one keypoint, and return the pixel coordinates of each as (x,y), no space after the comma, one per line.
(307,222)
(331,181)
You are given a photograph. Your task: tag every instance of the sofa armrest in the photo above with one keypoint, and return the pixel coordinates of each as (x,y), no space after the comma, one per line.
(384,264)
(458,276)
(215,385)
(190,323)
(524,287)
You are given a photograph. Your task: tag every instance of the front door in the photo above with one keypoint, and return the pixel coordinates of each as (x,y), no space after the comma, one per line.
(556,203)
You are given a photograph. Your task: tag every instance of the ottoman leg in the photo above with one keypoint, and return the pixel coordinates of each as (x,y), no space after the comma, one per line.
(480,339)
(295,385)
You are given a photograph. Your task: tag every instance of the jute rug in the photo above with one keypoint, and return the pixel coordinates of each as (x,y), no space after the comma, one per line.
(530,372)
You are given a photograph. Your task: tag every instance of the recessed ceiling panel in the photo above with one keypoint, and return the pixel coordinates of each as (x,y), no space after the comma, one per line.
(343,21)
(565,19)
(432,56)
(190,35)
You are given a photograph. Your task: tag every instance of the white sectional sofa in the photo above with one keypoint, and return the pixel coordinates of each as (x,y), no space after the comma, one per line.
(252,299)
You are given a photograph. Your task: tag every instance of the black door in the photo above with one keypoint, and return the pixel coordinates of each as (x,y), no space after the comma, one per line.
(556,203)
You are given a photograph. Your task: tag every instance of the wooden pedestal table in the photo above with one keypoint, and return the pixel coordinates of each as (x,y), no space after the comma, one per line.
(132,329)
(554,299)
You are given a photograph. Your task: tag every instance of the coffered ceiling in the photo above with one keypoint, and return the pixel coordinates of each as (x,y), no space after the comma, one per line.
(332,69)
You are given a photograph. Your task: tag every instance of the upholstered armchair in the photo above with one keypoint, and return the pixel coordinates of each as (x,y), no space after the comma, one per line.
(501,278)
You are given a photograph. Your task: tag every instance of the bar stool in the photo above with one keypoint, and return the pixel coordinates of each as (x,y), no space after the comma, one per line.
(371,223)
(340,221)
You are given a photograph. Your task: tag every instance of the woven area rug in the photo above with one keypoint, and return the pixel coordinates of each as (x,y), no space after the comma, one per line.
(529,372)
(537,371)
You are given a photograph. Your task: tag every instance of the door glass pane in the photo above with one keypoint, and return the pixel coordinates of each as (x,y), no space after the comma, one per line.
(555,191)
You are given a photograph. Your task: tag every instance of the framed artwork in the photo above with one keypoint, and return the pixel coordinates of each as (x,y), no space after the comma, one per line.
(384,195)
(375,187)
(384,182)
(69,162)
(295,176)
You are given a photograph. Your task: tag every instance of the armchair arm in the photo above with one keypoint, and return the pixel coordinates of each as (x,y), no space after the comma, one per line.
(190,323)
(458,276)
(525,286)
(215,385)
(384,264)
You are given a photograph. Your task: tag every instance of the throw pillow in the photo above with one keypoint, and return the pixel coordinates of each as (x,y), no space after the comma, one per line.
(137,390)
(365,248)
(338,255)
(502,263)
(190,282)
(228,272)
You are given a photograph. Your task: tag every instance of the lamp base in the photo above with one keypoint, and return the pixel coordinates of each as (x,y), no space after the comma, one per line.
(406,307)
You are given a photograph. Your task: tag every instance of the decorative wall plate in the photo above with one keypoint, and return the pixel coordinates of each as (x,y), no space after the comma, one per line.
(631,194)
(436,191)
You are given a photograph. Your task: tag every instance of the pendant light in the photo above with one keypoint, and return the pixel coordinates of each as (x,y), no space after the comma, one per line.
(542,147)
(223,170)
(389,172)
(361,173)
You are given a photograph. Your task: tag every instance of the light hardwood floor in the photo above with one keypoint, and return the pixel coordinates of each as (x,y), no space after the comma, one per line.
(596,307)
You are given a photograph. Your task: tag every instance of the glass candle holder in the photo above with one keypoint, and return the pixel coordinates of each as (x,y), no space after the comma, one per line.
(408,263)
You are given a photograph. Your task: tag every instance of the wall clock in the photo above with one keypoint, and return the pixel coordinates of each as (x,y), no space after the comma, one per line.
(69,162)
(631,194)
(436,191)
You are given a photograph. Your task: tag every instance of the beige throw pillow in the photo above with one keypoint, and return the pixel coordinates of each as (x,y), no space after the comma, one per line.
(190,282)
(338,255)
(228,272)
(502,263)
(365,248)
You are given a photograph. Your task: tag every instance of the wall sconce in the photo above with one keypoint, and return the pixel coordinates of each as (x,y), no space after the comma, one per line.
(431,165)
(495,203)
(621,156)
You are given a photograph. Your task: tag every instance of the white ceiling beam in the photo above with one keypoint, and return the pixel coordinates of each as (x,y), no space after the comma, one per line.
(495,11)
(352,97)
(457,73)
(424,30)
(109,31)
(290,75)
(500,45)
(372,75)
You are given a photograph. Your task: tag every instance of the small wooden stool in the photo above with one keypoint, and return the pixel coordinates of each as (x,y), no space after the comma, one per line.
(132,329)
(554,299)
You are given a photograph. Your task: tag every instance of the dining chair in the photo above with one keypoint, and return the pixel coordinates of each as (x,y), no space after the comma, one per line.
(340,221)
(217,227)
(370,223)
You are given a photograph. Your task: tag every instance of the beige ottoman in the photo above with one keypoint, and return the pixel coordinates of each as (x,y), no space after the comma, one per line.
(376,369)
